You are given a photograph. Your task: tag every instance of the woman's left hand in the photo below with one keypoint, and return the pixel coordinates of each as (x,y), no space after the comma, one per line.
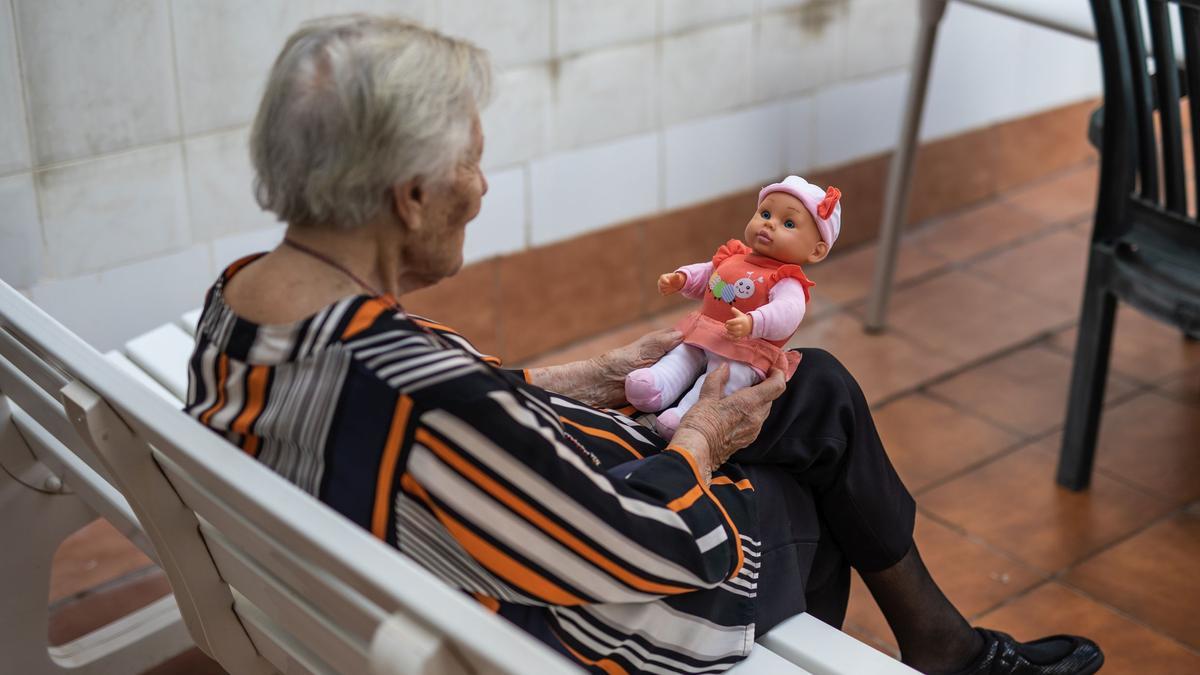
(600,381)
(612,367)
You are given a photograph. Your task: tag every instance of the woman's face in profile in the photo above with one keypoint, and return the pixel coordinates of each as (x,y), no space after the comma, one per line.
(453,206)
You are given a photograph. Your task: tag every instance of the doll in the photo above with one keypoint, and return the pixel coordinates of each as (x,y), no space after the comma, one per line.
(754,296)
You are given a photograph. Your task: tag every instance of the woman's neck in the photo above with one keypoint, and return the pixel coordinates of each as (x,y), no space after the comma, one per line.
(288,284)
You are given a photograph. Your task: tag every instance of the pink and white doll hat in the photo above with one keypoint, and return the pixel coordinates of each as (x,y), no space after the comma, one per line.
(824,205)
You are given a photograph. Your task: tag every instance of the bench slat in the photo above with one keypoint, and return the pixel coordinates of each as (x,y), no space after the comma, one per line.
(97,492)
(190,320)
(763,661)
(282,651)
(291,614)
(347,608)
(130,368)
(795,639)
(160,353)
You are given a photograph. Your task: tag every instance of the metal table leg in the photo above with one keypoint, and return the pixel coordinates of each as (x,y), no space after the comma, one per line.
(899,180)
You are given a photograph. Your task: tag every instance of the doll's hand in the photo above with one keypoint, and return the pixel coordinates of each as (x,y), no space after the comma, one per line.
(740,325)
(671,282)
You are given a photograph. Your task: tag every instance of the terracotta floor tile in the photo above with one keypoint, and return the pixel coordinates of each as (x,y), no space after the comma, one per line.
(885,365)
(1014,504)
(1025,391)
(1184,387)
(965,317)
(1151,441)
(191,662)
(928,440)
(599,344)
(847,278)
(76,618)
(974,578)
(595,288)
(978,230)
(1151,576)
(1064,198)
(95,554)
(1128,647)
(1049,268)
(1144,349)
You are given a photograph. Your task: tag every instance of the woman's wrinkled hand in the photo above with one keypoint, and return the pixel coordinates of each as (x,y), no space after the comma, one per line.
(721,425)
(612,367)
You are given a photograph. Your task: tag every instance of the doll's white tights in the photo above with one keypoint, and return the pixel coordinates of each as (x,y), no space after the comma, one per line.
(649,389)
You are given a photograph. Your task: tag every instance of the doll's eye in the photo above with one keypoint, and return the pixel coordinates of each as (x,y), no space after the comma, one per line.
(789,224)
(766,214)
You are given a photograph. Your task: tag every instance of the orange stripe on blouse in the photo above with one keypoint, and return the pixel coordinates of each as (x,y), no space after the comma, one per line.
(239,264)
(737,537)
(689,498)
(387,466)
(364,317)
(491,557)
(743,484)
(222,377)
(250,445)
(492,604)
(433,325)
(608,436)
(531,515)
(256,397)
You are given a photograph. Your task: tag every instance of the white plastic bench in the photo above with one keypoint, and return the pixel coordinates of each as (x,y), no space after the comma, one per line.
(264,577)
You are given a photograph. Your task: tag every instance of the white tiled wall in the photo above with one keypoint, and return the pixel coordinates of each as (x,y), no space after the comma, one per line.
(125,183)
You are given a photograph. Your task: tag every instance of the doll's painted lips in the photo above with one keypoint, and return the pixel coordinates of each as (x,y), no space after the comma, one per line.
(764,238)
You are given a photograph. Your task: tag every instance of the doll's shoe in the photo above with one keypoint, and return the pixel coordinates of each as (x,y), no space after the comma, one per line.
(642,391)
(1055,655)
(666,423)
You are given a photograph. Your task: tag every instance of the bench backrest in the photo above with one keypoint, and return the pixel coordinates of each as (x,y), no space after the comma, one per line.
(266,577)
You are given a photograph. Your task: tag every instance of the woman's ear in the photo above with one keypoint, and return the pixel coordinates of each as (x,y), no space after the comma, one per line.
(819,252)
(408,202)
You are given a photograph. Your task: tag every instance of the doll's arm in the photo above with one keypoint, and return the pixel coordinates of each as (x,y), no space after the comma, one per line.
(781,316)
(695,279)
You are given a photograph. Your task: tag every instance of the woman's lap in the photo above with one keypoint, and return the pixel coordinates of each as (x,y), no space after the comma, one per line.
(828,497)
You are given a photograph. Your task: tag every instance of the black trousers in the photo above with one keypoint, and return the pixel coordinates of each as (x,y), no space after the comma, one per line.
(828,497)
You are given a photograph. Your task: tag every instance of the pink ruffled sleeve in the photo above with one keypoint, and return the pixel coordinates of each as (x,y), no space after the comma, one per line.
(782,314)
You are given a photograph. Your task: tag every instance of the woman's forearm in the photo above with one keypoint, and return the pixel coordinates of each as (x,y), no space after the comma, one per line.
(585,381)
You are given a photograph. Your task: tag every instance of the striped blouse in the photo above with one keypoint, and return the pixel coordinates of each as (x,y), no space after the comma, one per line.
(576,523)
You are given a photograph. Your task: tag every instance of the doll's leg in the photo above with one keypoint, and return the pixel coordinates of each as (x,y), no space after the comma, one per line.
(740,377)
(649,389)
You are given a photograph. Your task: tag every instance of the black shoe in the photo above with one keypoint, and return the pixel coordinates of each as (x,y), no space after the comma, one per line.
(1055,655)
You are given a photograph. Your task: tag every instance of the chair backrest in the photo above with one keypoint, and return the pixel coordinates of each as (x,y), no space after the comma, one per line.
(266,577)
(1146,180)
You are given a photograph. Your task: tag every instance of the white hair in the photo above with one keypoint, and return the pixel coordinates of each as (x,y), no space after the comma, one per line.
(355,104)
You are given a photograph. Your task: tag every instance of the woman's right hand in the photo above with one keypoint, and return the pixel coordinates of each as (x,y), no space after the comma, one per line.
(671,282)
(718,426)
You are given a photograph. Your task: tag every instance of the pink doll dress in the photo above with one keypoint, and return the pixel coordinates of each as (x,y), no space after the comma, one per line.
(742,279)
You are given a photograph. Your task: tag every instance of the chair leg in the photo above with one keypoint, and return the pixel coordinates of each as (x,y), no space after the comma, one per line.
(1088,377)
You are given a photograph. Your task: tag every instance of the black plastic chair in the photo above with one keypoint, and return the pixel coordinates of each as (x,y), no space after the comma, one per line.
(1145,247)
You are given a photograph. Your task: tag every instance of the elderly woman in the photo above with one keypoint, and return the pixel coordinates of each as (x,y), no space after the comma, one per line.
(523,488)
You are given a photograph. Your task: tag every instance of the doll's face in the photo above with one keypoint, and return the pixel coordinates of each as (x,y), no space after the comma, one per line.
(784,230)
